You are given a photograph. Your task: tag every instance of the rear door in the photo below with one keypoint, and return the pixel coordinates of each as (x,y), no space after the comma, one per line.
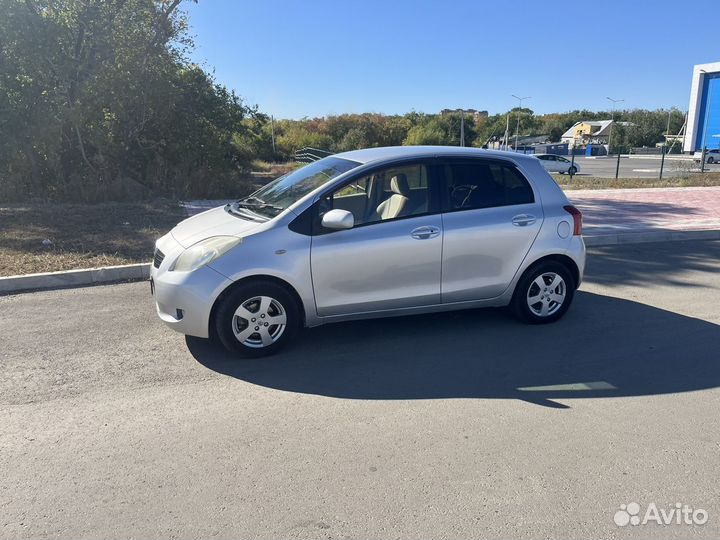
(491,217)
(555,165)
(563,164)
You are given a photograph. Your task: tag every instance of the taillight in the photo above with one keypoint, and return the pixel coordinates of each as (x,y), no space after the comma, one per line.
(577,219)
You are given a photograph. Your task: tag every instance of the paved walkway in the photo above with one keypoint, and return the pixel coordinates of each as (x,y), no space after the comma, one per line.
(652,209)
(619,215)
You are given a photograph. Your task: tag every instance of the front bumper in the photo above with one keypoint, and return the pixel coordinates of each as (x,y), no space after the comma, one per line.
(184,300)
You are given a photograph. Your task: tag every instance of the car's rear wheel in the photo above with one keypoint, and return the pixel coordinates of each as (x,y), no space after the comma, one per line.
(257,319)
(544,293)
(711,159)
(572,170)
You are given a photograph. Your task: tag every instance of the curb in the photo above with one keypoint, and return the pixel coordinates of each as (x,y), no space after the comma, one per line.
(649,236)
(137,272)
(74,278)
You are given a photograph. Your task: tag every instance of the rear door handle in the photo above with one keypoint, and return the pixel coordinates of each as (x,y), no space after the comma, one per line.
(425,232)
(521,220)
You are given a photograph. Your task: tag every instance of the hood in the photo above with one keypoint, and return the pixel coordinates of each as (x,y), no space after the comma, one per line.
(215,222)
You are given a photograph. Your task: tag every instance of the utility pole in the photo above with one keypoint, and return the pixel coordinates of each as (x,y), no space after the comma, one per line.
(517,126)
(272,133)
(462,127)
(612,125)
(507,131)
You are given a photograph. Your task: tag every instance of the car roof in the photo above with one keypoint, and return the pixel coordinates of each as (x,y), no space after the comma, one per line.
(368,155)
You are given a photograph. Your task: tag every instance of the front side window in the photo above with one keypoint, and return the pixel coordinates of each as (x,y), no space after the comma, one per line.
(392,193)
(485,185)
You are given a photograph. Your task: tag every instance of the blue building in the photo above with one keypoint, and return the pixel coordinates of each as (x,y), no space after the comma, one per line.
(703,127)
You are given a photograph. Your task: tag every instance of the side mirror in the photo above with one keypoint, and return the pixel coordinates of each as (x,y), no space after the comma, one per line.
(338,219)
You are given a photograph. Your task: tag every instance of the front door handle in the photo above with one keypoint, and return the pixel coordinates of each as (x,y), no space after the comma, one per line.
(425,232)
(522,220)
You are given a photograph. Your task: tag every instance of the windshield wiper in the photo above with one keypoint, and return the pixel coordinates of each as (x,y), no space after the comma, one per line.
(260,204)
(240,211)
(250,199)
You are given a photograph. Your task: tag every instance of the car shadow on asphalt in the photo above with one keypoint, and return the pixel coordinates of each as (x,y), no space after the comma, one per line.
(604,347)
(665,263)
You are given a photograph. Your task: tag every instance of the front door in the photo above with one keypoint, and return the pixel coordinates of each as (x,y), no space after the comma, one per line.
(391,258)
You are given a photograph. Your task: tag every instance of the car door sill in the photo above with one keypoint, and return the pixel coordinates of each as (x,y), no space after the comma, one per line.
(416,310)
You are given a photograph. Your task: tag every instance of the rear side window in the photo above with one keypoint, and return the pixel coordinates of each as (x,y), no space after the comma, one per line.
(485,185)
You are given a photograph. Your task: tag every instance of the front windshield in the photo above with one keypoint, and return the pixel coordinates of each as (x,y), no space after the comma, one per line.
(275,197)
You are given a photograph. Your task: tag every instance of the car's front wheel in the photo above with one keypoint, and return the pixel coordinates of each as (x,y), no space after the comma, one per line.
(257,318)
(544,293)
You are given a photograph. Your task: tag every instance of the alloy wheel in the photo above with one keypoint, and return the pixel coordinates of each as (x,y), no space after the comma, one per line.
(546,294)
(259,322)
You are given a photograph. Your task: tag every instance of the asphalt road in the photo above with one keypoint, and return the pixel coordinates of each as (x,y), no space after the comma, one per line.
(463,425)
(604,167)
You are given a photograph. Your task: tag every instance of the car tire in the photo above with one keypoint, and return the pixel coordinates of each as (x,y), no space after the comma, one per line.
(244,319)
(572,170)
(547,308)
(711,160)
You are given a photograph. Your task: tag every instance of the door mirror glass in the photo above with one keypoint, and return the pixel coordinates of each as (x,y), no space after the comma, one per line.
(338,219)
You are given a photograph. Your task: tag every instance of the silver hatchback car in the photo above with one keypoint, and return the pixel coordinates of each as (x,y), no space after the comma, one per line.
(373,233)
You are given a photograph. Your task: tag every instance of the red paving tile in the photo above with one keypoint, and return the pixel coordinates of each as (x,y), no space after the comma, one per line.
(632,210)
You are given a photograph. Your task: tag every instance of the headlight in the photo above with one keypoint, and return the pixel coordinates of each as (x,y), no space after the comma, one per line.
(203,253)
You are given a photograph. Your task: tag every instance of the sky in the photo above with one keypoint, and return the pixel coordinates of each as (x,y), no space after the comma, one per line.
(298,59)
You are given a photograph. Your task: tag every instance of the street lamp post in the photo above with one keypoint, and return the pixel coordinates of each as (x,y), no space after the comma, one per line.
(507,131)
(612,124)
(517,126)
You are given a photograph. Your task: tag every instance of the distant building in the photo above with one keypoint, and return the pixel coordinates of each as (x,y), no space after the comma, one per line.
(589,132)
(703,122)
(527,144)
(473,112)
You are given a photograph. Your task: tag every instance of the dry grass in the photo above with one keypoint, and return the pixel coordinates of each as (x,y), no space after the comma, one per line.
(591,182)
(276,169)
(82,236)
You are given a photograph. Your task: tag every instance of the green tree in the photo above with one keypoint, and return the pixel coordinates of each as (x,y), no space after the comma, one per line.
(99,101)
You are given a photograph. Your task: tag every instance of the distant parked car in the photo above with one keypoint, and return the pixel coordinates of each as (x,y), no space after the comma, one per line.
(553,163)
(712,156)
